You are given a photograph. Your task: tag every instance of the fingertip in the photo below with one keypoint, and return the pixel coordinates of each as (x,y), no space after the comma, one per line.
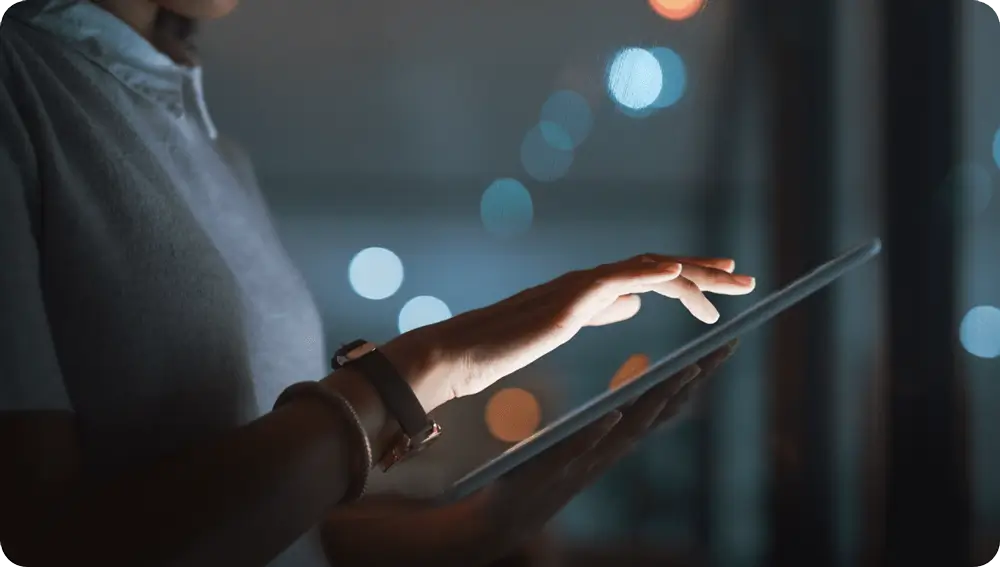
(603,427)
(692,372)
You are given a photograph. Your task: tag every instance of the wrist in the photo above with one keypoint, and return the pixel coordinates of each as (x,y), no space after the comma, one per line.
(367,403)
(419,357)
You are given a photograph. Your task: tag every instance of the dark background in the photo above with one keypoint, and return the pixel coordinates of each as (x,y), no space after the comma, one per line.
(381,124)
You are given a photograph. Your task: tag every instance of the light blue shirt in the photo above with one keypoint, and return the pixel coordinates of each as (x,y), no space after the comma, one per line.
(142,284)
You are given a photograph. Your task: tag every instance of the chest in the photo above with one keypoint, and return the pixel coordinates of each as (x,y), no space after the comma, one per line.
(175,310)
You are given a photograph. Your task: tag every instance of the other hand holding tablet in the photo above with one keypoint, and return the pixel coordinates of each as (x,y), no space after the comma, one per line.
(497,519)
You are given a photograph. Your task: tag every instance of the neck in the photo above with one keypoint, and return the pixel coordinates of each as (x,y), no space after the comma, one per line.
(141,15)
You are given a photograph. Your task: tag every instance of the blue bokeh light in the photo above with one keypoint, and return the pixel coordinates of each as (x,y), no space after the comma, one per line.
(556,136)
(674,75)
(506,208)
(542,160)
(996,148)
(569,112)
(421,311)
(635,78)
(375,273)
(980,331)
(637,112)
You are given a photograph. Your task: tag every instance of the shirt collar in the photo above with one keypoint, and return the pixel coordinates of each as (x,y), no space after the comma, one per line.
(114,46)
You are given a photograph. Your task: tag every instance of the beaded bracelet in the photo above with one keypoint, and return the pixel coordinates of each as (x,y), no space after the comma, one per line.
(363,449)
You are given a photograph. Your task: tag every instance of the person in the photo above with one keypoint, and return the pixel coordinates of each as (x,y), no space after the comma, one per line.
(163,400)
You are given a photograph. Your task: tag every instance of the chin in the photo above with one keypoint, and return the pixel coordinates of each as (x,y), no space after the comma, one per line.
(199,9)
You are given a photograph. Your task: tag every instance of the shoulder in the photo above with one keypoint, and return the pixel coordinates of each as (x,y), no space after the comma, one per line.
(14,100)
(15,40)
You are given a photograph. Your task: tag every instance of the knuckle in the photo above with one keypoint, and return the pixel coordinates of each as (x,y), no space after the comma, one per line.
(600,282)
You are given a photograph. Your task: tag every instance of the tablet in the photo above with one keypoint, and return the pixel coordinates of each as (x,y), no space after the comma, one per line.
(761,312)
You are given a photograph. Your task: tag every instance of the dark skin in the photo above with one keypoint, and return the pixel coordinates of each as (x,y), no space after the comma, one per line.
(504,516)
(241,498)
(292,464)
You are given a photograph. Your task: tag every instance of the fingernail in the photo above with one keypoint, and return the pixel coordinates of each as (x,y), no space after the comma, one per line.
(690,373)
(611,419)
(669,266)
(713,316)
(745,280)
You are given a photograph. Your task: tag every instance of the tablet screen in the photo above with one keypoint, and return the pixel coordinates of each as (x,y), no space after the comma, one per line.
(715,338)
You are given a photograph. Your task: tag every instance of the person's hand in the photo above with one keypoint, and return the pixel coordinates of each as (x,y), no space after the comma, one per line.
(471,351)
(498,519)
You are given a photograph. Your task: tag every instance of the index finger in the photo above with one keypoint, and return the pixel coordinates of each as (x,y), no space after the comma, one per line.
(724,264)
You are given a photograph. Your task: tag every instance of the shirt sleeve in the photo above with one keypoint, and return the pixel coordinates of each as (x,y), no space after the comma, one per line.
(30,378)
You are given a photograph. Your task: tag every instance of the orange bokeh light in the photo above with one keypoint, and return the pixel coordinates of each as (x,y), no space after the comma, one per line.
(676,9)
(634,366)
(513,414)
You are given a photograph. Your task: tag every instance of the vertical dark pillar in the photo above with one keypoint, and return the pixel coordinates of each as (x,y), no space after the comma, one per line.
(927,516)
(720,217)
(799,43)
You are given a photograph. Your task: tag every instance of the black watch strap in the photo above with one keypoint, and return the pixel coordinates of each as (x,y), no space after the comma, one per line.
(396,394)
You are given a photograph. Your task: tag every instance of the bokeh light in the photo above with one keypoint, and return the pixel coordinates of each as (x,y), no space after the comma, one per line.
(566,120)
(674,77)
(676,9)
(513,415)
(556,136)
(635,78)
(506,208)
(541,160)
(980,331)
(633,367)
(421,311)
(375,273)
(996,148)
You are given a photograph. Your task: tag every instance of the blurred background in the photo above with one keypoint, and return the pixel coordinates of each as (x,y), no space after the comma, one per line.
(427,158)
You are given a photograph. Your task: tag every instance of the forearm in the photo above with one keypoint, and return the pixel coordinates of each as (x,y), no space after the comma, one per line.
(239,500)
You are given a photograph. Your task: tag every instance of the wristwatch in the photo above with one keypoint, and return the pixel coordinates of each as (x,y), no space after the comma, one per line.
(417,429)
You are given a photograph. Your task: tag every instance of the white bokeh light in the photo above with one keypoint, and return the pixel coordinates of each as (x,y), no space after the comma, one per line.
(421,311)
(375,273)
(980,331)
(635,78)
(674,74)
